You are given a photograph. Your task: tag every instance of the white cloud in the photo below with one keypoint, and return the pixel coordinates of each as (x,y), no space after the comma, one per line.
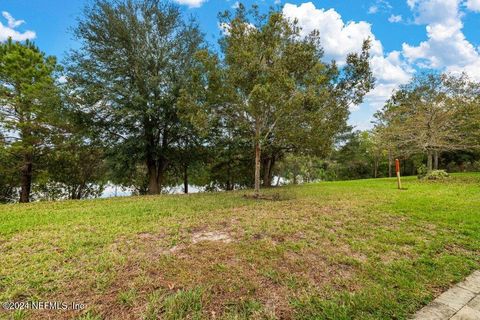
(446,47)
(395,18)
(473,5)
(12,23)
(9,31)
(472,69)
(391,72)
(391,69)
(373,9)
(339,38)
(435,11)
(380,6)
(191,3)
(411,3)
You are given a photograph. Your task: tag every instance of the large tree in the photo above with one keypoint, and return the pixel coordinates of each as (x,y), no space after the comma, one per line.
(433,113)
(29,102)
(132,63)
(273,85)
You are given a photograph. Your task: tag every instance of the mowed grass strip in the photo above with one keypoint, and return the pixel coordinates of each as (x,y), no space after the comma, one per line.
(331,250)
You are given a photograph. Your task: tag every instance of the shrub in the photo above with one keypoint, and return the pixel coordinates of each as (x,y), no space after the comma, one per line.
(436,175)
(422,171)
(476,165)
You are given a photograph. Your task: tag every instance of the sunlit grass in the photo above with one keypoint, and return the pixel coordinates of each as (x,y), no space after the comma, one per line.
(332,250)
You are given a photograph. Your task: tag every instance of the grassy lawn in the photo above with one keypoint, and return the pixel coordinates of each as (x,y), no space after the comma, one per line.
(332,250)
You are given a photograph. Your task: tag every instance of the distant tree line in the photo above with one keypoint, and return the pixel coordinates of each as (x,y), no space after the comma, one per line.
(431,123)
(146,103)
(434,114)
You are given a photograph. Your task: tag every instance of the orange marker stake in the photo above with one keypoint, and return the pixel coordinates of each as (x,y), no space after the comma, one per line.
(397,169)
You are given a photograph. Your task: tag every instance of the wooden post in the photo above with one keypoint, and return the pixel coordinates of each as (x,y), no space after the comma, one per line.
(397,169)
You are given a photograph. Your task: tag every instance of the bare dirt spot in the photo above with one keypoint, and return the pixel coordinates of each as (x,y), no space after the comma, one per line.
(154,245)
(211,236)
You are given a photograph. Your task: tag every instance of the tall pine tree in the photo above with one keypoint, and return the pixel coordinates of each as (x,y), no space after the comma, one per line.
(29,102)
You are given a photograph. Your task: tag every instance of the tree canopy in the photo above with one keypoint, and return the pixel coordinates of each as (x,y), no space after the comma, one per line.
(274,87)
(29,104)
(433,113)
(134,60)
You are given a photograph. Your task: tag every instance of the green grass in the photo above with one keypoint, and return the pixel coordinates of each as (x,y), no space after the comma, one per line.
(333,250)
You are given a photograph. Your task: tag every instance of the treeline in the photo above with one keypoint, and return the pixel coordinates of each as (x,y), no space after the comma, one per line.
(146,103)
(431,123)
(361,156)
(434,115)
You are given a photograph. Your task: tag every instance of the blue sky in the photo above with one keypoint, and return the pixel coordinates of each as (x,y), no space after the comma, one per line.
(408,35)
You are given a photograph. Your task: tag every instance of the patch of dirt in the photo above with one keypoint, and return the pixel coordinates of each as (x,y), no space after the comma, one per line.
(154,245)
(273,197)
(211,236)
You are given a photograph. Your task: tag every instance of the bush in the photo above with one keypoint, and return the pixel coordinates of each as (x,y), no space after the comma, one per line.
(476,165)
(436,175)
(422,171)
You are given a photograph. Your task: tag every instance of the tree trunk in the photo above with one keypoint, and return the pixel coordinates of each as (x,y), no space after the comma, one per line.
(267,182)
(268,164)
(375,168)
(162,167)
(258,154)
(154,164)
(153,171)
(185,179)
(270,171)
(26,178)
(229,184)
(257,168)
(390,163)
(81,188)
(429,161)
(435,161)
(76,193)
